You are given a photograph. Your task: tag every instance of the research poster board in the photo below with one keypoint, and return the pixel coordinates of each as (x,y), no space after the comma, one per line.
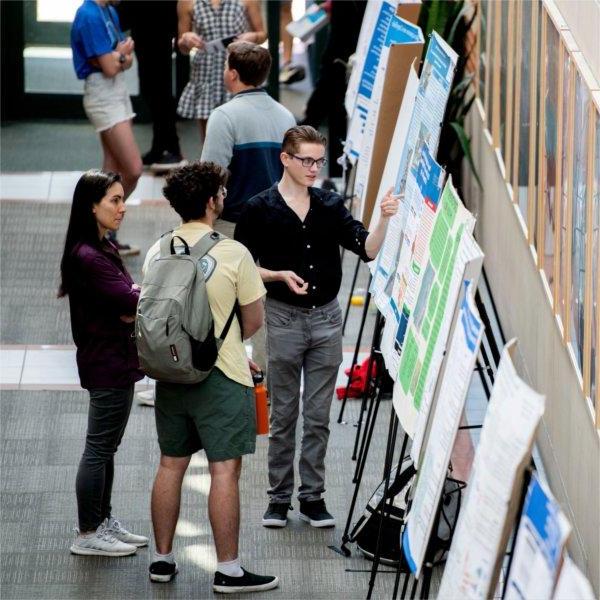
(377,22)
(488,512)
(405,9)
(372,99)
(451,255)
(424,129)
(379,268)
(403,46)
(412,253)
(541,539)
(572,583)
(429,183)
(452,391)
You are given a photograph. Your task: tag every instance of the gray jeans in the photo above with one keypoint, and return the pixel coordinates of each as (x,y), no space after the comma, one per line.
(107,419)
(301,341)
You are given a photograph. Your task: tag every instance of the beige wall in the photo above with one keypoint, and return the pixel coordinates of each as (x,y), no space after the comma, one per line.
(568,440)
(583,19)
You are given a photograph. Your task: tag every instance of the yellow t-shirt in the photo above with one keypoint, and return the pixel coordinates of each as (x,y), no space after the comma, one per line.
(233,275)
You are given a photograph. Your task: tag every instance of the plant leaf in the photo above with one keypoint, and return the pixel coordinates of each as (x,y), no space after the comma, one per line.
(465,144)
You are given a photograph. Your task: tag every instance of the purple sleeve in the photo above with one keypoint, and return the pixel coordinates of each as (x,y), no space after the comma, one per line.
(112,285)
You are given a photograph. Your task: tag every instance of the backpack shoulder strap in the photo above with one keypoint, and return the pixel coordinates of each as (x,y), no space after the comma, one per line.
(205,244)
(165,243)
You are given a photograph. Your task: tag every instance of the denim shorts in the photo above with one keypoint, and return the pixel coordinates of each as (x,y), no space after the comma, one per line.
(106,100)
(217,415)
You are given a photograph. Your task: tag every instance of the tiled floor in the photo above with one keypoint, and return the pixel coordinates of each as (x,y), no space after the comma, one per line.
(43,420)
(58,186)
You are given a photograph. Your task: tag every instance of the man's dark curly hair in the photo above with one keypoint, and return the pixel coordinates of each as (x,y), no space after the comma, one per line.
(189,188)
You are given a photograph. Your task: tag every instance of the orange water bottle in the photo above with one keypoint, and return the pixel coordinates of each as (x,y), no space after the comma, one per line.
(262,409)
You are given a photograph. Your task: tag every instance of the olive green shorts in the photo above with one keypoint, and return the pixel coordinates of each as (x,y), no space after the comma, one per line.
(217,414)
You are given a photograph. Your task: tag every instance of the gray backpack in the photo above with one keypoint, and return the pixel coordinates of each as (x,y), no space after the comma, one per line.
(174,326)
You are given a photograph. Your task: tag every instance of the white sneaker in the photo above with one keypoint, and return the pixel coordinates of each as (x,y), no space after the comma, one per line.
(101,543)
(118,531)
(145,398)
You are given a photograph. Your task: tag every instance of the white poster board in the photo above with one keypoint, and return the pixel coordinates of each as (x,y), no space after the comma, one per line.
(452,391)
(541,538)
(424,129)
(484,523)
(381,267)
(400,32)
(360,87)
(451,252)
(572,583)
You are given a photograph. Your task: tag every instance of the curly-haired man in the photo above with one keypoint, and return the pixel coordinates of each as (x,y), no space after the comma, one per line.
(217,414)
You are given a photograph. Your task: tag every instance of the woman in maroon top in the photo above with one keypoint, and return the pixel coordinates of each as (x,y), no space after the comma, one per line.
(103,301)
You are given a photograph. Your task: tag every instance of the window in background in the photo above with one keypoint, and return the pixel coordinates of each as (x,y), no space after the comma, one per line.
(595,261)
(504,6)
(536,99)
(483,24)
(567,136)
(550,64)
(521,171)
(578,216)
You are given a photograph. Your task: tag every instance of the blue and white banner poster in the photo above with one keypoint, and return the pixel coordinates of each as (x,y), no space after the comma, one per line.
(447,411)
(389,29)
(424,130)
(541,538)
(481,536)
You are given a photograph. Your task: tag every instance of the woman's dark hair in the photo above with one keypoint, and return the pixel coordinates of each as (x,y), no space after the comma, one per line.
(90,189)
(189,188)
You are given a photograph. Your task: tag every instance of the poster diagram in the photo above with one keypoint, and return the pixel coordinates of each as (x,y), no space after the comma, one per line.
(389,30)
(424,130)
(485,520)
(431,474)
(450,251)
(541,538)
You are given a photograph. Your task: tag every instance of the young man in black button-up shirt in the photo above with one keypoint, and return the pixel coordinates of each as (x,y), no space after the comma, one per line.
(294,231)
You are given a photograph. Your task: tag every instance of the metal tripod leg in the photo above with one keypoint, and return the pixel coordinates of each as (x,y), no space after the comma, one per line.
(355,357)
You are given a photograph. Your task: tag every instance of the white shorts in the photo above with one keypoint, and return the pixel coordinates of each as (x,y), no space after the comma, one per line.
(106,100)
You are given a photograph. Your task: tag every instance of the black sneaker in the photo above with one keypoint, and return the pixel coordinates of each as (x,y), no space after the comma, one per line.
(150,157)
(162,571)
(276,515)
(168,161)
(315,513)
(248,582)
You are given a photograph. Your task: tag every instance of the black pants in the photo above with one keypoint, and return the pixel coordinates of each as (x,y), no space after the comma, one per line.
(327,99)
(107,419)
(155,70)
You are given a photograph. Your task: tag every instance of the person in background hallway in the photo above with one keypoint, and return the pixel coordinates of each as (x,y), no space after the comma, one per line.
(101,54)
(327,99)
(288,73)
(204,21)
(102,301)
(217,414)
(294,231)
(153,27)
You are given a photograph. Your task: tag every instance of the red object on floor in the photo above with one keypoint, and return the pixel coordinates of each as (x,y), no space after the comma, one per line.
(358,381)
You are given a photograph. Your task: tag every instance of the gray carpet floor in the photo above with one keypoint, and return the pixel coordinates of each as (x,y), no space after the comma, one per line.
(42,436)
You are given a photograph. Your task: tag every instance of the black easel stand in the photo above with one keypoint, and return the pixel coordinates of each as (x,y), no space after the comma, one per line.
(356,350)
(369,388)
(389,457)
(351,293)
(360,465)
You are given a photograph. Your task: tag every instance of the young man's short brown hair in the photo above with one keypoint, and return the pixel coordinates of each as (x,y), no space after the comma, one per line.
(251,61)
(301,134)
